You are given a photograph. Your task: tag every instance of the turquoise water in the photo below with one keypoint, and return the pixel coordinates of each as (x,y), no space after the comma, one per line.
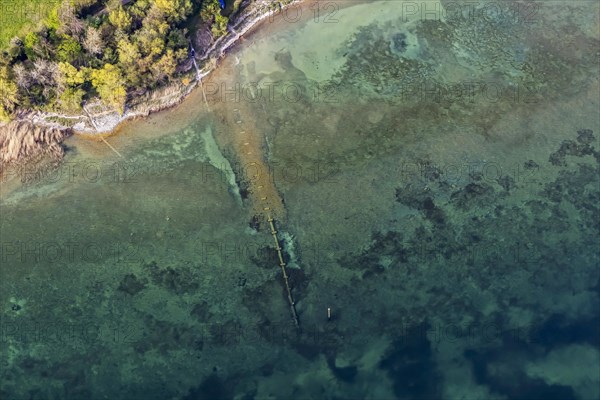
(440,179)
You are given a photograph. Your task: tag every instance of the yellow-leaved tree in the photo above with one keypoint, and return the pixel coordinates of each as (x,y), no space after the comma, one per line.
(69,75)
(129,57)
(110,84)
(165,66)
(70,79)
(120,19)
(174,10)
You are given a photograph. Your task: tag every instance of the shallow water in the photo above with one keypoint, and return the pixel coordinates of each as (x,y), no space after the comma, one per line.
(440,183)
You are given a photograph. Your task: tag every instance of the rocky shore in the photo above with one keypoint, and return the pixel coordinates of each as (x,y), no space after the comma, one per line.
(36,132)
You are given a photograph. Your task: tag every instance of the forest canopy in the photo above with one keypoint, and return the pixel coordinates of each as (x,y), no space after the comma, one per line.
(88,49)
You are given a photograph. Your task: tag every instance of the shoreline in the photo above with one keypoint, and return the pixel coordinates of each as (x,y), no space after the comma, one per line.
(48,130)
(97,120)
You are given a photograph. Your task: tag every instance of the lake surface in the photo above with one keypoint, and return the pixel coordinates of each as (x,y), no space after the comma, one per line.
(434,171)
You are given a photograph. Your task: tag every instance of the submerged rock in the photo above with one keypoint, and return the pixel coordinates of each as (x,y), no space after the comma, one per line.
(581,147)
(398,43)
(131,284)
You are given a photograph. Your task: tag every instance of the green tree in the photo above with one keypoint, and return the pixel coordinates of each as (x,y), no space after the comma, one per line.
(70,99)
(9,94)
(53,20)
(139,9)
(68,50)
(219,27)
(128,52)
(150,39)
(110,85)
(120,19)
(174,10)
(70,76)
(211,12)
(165,66)
(129,61)
(31,45)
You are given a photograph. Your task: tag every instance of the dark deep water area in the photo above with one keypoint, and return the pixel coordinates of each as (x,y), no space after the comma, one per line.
(440,178)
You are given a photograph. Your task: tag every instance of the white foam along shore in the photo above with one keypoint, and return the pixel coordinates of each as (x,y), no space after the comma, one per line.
(103,120)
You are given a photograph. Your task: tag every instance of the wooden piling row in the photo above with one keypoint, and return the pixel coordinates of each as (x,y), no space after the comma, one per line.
(284,272)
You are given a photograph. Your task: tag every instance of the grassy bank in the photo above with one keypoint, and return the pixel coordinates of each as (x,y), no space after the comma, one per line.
(17,17)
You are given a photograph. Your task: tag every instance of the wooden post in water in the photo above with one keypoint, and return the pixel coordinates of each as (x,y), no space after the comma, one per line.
(266,200)
(283,270)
